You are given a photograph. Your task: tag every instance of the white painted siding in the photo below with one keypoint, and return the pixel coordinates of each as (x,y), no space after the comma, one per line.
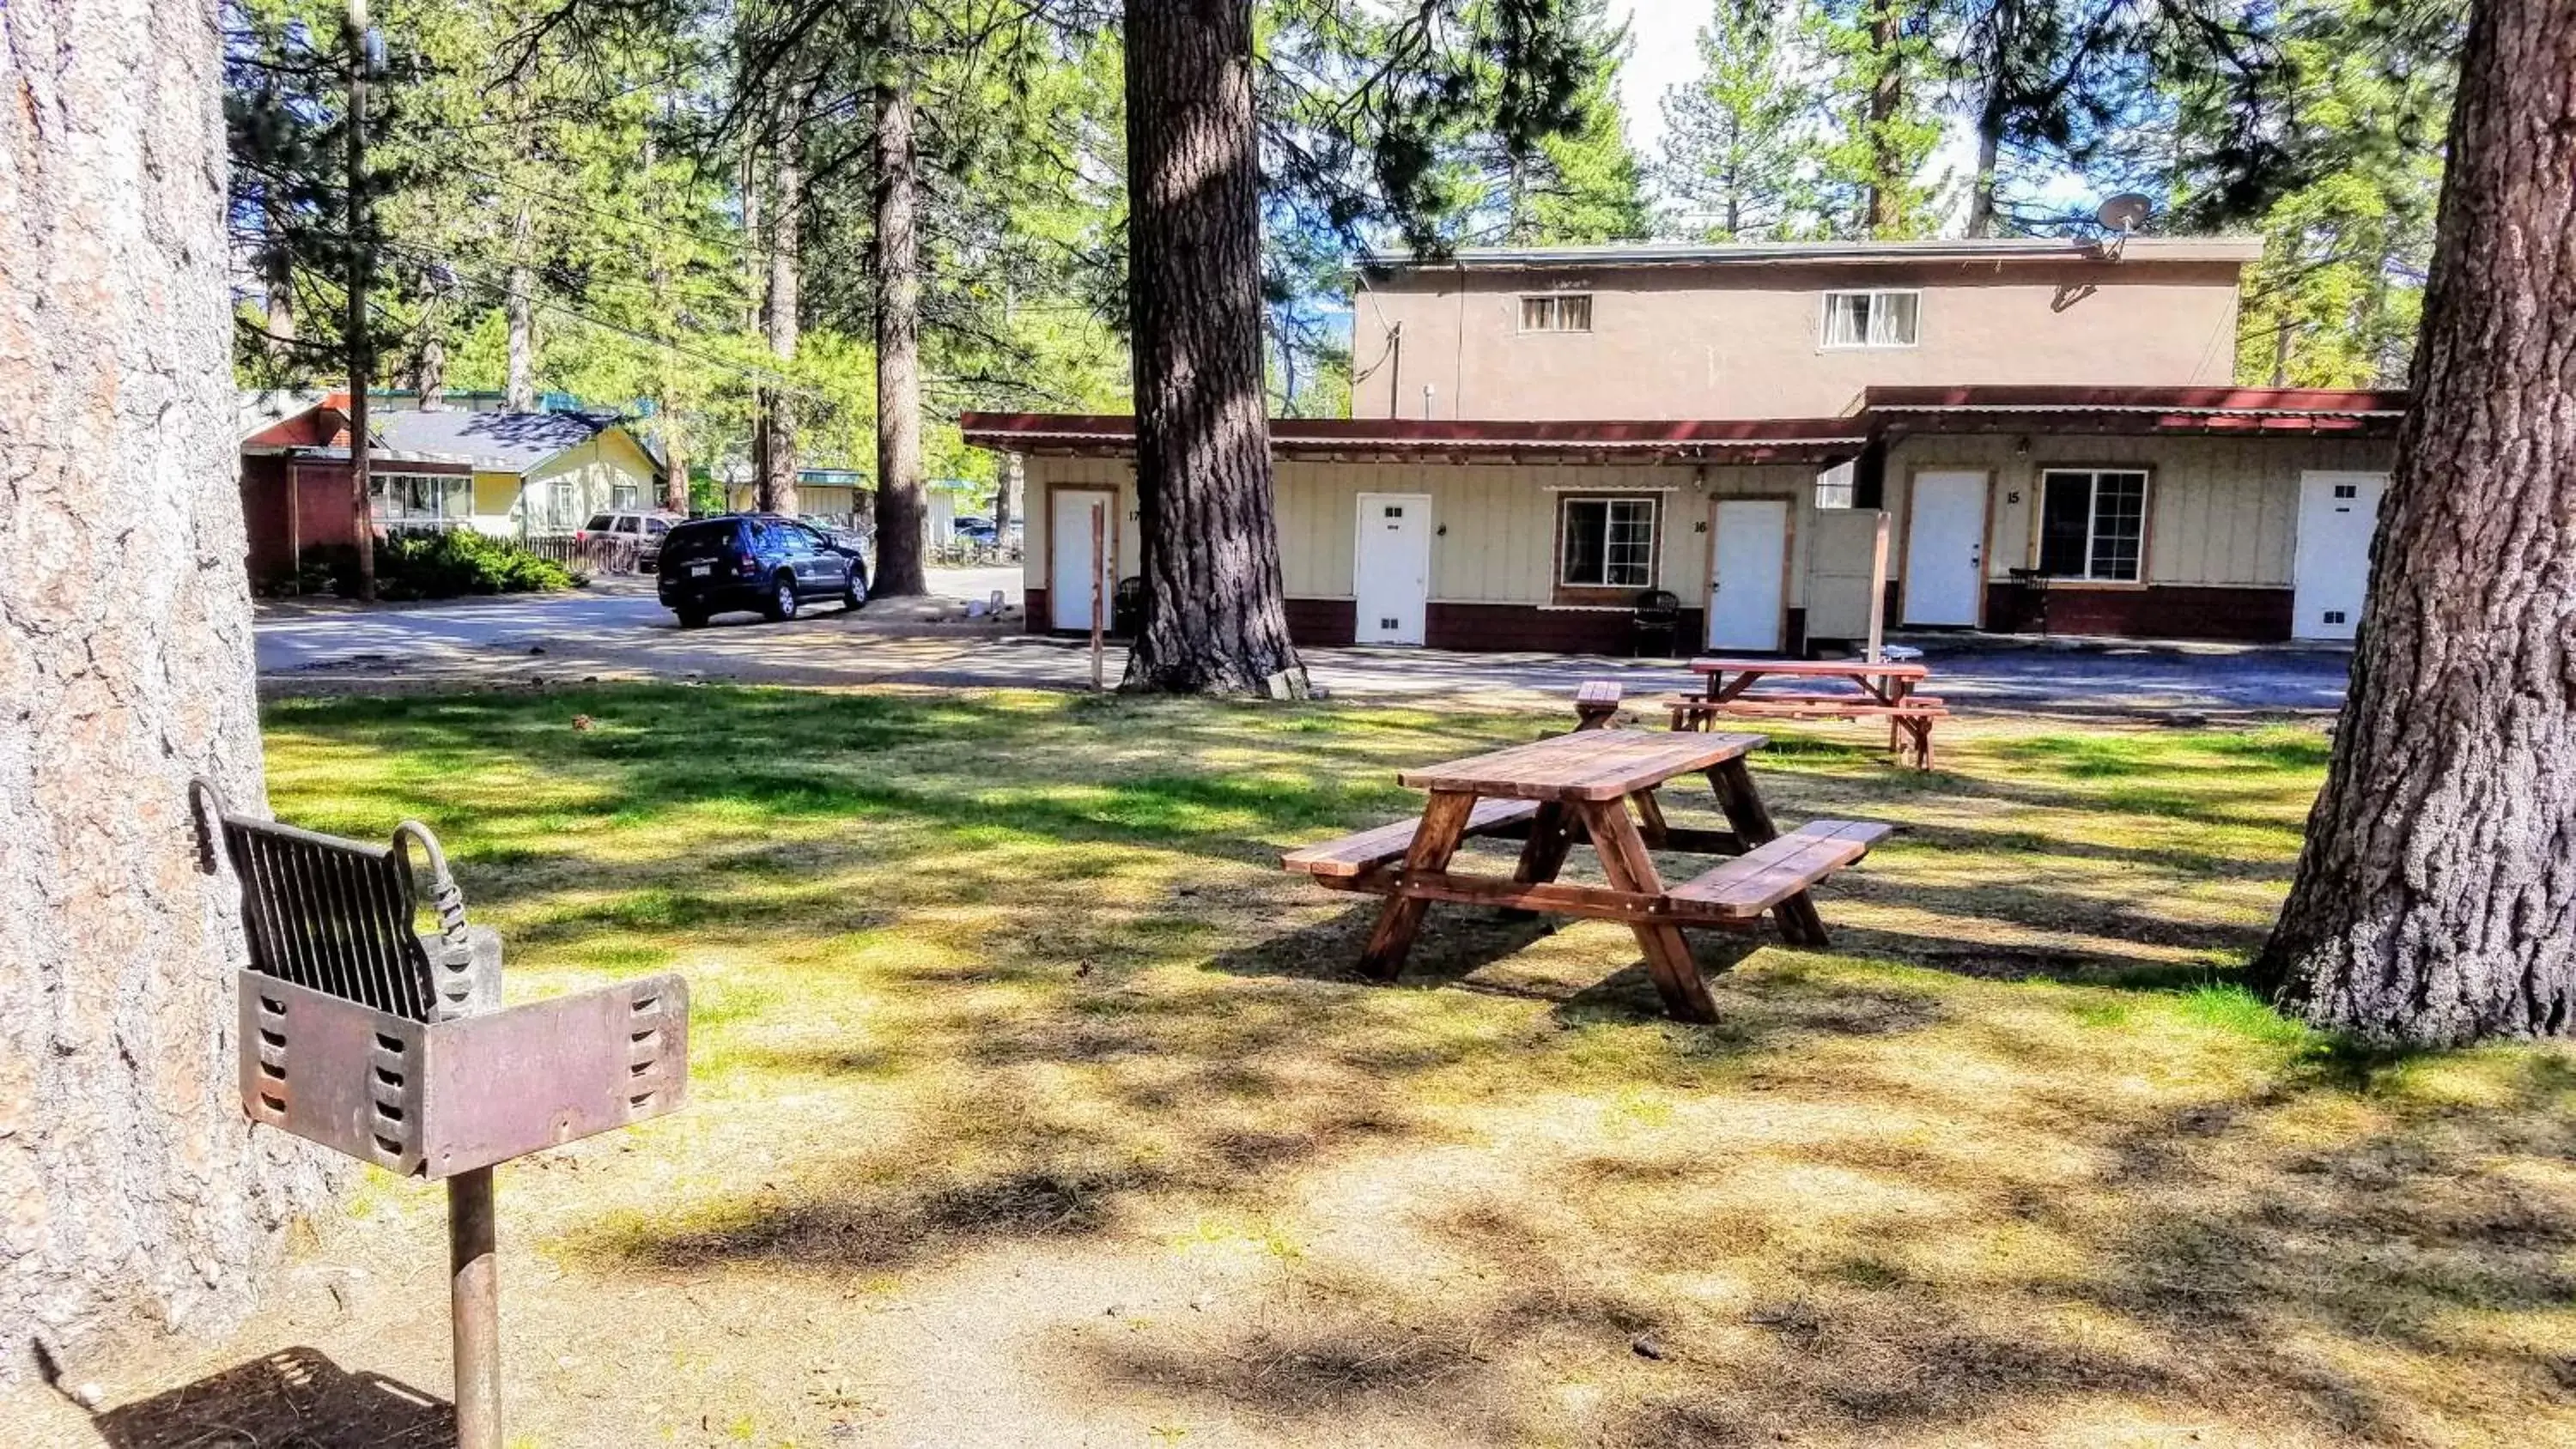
(2221,512)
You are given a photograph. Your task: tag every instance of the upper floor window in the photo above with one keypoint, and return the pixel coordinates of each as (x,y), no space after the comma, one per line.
(1557,312)
(2093,524)
(1872,319)
(1609,543)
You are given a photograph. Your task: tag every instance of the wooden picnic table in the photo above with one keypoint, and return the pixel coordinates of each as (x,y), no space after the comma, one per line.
(1583,788)
(1867,690)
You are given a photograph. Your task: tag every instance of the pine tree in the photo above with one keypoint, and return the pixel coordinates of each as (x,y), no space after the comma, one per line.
(1587,184)
(2435,901)
(1883,91)
(1741,149)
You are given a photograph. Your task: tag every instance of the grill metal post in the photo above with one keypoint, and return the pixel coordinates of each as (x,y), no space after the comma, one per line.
(474,1308)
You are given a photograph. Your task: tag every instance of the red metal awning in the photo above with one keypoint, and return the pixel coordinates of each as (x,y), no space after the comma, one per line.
(1742,440)
(2221,410)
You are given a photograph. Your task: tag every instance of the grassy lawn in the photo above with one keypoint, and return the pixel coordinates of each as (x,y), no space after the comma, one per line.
(1034,1105)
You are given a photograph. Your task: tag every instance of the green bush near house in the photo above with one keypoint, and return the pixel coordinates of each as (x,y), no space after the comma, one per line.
(434,566)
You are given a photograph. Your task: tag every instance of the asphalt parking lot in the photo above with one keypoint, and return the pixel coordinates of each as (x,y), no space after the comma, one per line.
(617,630)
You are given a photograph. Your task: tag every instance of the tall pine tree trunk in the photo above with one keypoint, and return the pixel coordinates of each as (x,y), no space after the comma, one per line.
(777,446)
(1886,98)
(774,449)
(1981,190)
(1216,621)
(277,275)
(2436,899)
(132,1191)
(519,312)
(897,263)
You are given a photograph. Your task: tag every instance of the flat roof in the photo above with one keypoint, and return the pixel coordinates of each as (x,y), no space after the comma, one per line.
(1879,413)
(2234,249)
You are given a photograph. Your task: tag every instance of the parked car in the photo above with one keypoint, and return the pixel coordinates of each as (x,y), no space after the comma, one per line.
(757,561)
(851,540)
(646,526)
(981,531)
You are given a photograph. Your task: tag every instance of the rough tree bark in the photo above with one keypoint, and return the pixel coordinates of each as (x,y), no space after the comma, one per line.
(1886,98)
(132,1191)
(1216,620)
(1008,485)
(277,276)
(775,448)
(2435,901)
(897,261)
(675,455)
(1990,140)
(519,311)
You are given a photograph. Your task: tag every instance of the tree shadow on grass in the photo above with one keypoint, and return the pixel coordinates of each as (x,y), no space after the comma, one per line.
(2191,1274)
(296,1398)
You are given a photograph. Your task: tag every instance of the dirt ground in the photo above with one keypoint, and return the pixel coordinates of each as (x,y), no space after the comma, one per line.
(1034,1106)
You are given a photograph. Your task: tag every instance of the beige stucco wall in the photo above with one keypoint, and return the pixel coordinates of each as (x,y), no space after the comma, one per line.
(1745,341)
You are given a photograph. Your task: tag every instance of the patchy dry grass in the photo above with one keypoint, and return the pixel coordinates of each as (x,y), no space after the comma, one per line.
(1035,1106)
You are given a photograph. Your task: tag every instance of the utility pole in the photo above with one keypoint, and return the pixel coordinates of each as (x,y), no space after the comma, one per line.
(362,259)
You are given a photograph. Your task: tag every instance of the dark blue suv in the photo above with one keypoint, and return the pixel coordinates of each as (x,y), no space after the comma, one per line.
(760,561)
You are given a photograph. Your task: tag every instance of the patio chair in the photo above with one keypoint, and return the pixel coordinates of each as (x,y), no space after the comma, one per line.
(1658,619)
(1127,607)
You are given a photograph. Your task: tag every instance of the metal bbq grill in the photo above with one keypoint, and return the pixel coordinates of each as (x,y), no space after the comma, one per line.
(362,1033)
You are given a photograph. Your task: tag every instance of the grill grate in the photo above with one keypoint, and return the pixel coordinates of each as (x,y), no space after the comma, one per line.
(332,915)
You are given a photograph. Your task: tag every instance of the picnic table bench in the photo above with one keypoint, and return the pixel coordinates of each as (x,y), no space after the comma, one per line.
(1596,786)
(1868,691)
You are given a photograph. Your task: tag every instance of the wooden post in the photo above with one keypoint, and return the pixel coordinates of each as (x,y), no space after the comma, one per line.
(474,1308)
(1878,593)
(1099,542)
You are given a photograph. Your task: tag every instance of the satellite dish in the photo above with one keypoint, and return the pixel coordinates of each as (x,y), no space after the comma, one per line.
(2123,212)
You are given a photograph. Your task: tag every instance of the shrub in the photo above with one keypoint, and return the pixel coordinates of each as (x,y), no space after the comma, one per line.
(433,566)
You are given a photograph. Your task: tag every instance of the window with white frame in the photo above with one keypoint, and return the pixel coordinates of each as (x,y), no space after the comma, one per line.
(1872,319)
(555,506)
(419,500)
(1557,312)
(2093,524)
(1835,486)
(1609,543)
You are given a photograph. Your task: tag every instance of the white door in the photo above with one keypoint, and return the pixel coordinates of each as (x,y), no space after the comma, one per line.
(1391,575)
(1069,547)
(2338,512)
(1945,549)
(1747,592)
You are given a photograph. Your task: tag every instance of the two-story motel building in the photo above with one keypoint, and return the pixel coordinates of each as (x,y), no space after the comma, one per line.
(1540,436)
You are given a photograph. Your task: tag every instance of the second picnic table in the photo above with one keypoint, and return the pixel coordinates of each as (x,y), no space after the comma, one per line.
(1554,793)
(1873,691)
